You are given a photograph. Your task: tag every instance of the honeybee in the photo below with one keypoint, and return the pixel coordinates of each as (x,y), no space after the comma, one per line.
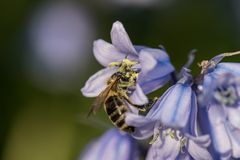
(115,97)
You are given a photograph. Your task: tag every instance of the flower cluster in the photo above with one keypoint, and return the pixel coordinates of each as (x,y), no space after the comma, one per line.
(198,117)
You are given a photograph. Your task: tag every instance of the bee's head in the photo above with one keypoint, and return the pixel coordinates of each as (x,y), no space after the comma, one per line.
(127,64)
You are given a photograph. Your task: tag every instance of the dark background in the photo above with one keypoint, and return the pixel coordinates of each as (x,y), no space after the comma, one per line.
(46,56)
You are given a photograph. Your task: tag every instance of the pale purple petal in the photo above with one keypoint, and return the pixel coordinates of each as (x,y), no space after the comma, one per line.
(150,86)
(198,152)
(155,65)
(238,87)
(152,114)
(138,97)
(150,58)
(105,53)
(147,60)
(174,107)
(218,58)
(209,83)
(121,40)
(184,156)
(113,145)
(109,151)
(150,154)
(220,138)
(193,128)
(234,116)
(223,68)
(203,140)
(96,148)
(143,127)
(138,48)
(197,147)
(87,153)
(97,82)
(168,149)
(119,146)
(208,87)
(234,135)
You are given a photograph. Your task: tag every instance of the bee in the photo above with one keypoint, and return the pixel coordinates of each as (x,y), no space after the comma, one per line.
(115,97)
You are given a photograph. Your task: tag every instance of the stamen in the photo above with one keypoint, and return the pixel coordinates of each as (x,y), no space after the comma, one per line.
(172,134)
(114,64)
(182,144)
(155,136)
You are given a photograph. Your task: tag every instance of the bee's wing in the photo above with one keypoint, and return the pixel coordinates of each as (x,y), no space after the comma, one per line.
(98,103)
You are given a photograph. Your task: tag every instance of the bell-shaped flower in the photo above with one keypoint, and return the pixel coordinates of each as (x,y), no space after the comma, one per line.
(154,65)
(172,123)
(176,108)
(113,145)
(212,70)
(176,105)
(223,115)
(169,143)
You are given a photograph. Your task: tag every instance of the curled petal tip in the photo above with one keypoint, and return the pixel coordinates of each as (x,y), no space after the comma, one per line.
(97,82)
(138,97)
(121,40)
(186,72)
(105,53)
(117,24)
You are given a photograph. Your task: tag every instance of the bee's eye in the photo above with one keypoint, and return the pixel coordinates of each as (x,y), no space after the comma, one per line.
(124,88)
(124,79)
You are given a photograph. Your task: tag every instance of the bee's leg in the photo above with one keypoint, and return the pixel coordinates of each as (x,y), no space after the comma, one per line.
(114,64)
(145,107)
(122,92)
(126,84)
(151,102)
(139,107)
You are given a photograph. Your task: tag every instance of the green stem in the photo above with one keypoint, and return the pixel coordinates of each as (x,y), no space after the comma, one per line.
(231,54)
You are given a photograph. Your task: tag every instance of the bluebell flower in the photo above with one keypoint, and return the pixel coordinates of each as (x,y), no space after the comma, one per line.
(113,145)
(176,108)
(172,123)
(219,94)
(176,105)
(223,114)
(154,65)
(212,70)
(169,143)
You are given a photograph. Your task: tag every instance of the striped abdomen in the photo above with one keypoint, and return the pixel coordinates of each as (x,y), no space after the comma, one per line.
(116,109)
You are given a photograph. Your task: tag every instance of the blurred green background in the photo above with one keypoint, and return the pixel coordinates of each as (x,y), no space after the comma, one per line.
(46,56)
